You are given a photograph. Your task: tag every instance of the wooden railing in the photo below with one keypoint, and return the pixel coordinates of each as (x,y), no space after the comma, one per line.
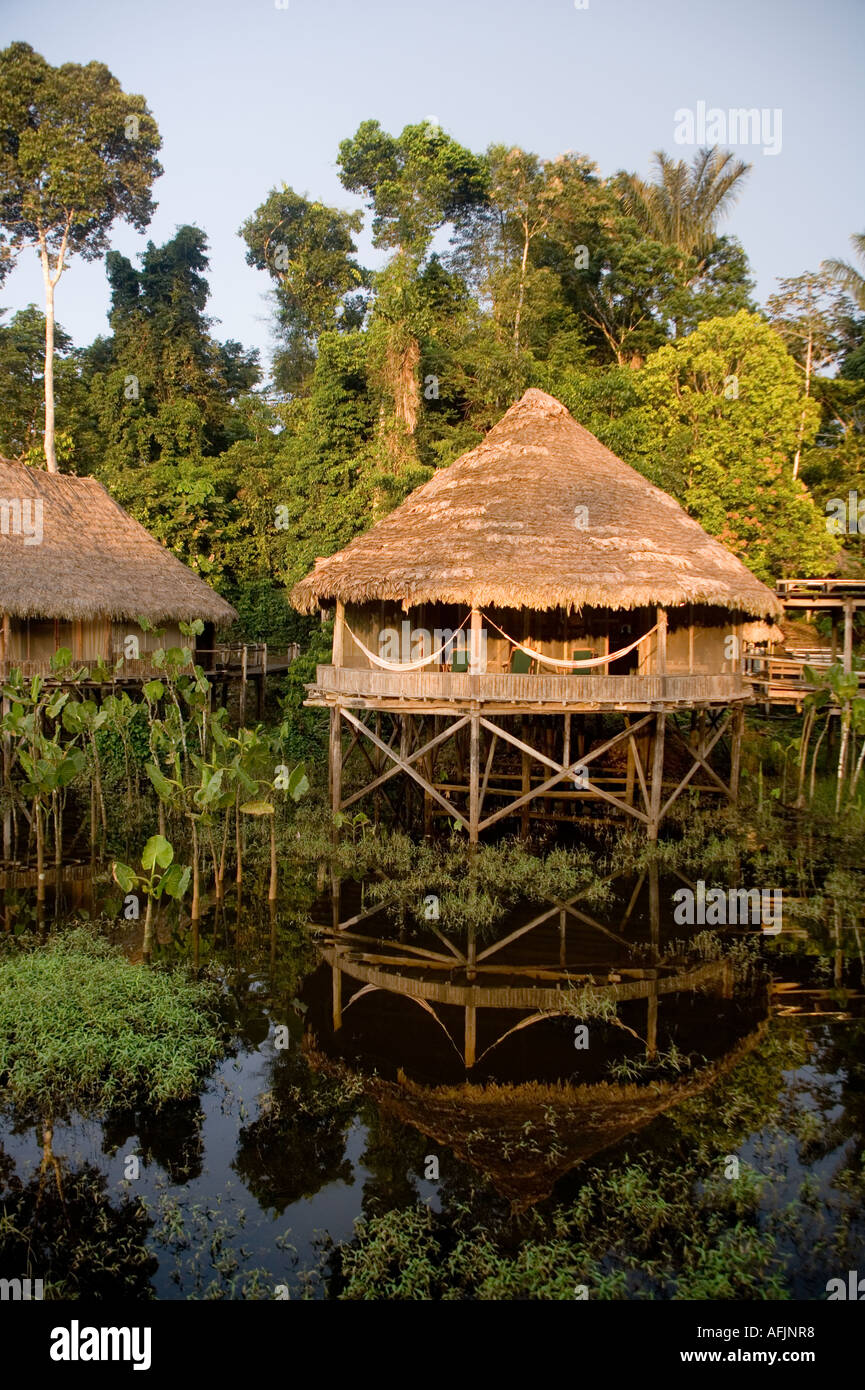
(781,679)
(352,683)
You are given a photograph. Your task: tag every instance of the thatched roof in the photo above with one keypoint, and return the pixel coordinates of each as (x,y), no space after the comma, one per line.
(93,561)
(497,527)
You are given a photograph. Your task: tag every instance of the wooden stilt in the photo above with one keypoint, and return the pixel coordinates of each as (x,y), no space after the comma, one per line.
(736,750)
(657,776)
(336,759)
(848,634)
(526,788)
(244,656)
(655,907)
(336,975)
(474,777)
(652,1019)
(471,1035)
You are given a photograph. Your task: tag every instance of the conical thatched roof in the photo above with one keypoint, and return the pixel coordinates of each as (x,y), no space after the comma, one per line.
(497,527)
(93,560)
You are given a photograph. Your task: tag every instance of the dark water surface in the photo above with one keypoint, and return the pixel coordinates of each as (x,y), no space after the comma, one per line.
(351,1052)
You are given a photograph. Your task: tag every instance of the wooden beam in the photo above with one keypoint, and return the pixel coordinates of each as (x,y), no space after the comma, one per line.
(707,748)
(695,754)
(402,759)
(405,764)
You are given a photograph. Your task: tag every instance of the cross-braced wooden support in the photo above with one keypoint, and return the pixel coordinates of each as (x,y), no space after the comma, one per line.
(479,771)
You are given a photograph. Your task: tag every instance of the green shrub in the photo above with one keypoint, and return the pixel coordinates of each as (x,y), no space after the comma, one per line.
(82,1026)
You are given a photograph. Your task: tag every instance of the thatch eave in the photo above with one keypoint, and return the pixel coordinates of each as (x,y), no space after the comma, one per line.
(93,561)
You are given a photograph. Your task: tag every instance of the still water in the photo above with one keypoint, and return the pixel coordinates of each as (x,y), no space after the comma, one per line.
(373,1067)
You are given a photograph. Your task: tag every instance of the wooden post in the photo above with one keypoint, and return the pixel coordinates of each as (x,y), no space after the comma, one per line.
(378,760)
(337,997)
(661,648)
(690,639)
(471,1033)
(474,775)
(339,634)
(657,776)
(263,685)
(652,1019)
(848,634)
(335,759)
(655,908)
(526,784)
(736,750)
(476,663)
(243,671)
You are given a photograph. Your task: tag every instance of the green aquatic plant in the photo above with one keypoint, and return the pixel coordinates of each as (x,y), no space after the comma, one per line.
(82,1027)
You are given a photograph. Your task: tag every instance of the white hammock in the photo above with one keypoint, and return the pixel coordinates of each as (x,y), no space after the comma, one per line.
(584,664)
(405,665)
(572,665)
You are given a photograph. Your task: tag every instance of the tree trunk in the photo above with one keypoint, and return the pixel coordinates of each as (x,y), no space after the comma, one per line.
(842,755)
(271,892)
(196,879)
(522,294)
(808,361)
(50,456)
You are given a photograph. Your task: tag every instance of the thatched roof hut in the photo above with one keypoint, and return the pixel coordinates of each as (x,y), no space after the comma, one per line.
(539,516)
(91,560)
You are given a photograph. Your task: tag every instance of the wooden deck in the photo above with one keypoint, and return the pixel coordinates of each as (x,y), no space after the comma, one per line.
(251,661)
(442,691)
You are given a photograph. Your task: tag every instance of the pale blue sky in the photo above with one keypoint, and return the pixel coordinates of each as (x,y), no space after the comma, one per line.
(247,95)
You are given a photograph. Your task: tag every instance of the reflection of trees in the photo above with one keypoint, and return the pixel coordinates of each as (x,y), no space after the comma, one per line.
(394,1155)
(297,1143)
(170,1137)
(69,1233)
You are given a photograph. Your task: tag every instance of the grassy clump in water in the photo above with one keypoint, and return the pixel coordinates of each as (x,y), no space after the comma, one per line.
(81,1026)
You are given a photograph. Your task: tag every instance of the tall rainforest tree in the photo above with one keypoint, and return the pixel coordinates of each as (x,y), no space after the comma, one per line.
(539,214)
(805,313)
(77,154)
(165,394)
(415,183)
(684,204)
(681,209)
(308,249)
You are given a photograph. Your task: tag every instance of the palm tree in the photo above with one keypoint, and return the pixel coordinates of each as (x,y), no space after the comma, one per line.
(683,205)
(847,276)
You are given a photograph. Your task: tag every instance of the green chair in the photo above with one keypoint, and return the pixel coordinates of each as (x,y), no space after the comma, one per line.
(583,654)
(460,662)
(521,663)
